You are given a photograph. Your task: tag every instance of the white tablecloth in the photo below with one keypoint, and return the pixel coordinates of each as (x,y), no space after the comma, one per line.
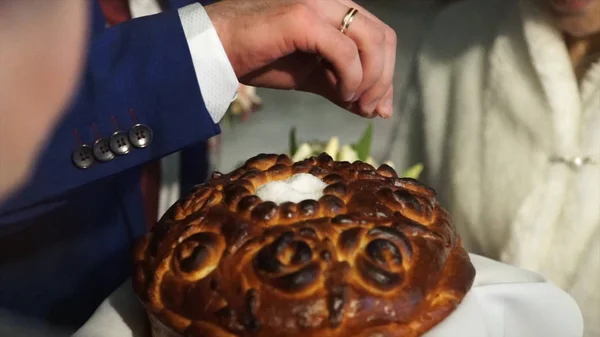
(504,302)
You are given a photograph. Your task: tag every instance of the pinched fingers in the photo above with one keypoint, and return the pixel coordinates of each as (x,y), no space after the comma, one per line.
(376,44)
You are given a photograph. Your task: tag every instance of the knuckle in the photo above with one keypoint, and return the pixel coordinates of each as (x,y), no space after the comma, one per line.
(391,38)
(374,73)
(300,12)
(380,37)
(300,20)
(310,3)
(348,51)
(371,80)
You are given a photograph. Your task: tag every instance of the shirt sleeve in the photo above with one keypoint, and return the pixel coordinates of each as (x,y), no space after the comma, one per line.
(216,77)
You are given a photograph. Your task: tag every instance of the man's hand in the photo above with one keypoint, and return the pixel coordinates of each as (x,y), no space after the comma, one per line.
(277,44)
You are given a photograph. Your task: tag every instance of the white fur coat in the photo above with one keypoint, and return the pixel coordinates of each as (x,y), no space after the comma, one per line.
(494,98)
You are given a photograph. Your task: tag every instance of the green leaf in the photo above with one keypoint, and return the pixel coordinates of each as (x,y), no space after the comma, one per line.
(231,121)
(363,147)
(413,172)
(293,142)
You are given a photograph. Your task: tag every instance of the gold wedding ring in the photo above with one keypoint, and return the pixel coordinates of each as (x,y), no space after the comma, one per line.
(345,24)
(348,20)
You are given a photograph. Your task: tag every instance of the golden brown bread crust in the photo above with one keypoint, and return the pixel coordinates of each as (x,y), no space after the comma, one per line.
(375,256)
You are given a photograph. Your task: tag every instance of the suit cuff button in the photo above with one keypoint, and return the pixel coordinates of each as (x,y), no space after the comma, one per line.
(119,143)
(140,136)
(102,151)
(83,157)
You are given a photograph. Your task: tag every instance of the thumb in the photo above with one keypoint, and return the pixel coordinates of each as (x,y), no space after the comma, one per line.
(323,82)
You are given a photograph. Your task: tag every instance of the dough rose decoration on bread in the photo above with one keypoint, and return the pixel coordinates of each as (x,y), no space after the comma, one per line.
(359,253)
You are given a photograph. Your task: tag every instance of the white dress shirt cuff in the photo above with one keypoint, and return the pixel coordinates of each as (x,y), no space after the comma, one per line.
(216,77)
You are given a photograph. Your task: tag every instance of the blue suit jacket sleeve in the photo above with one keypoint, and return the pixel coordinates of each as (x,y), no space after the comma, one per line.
(137,72)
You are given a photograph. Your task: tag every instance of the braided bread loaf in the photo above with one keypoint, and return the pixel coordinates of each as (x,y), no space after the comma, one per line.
(374,256)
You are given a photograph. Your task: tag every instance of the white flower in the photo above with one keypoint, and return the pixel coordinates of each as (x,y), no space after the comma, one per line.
(343,153)
(371,161)
(347,153)
(247,100)
(333,147)
(375,164)
(304,151)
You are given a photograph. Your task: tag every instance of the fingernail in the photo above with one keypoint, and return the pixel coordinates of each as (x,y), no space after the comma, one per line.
(387,108)
(350,97)
(369,108)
